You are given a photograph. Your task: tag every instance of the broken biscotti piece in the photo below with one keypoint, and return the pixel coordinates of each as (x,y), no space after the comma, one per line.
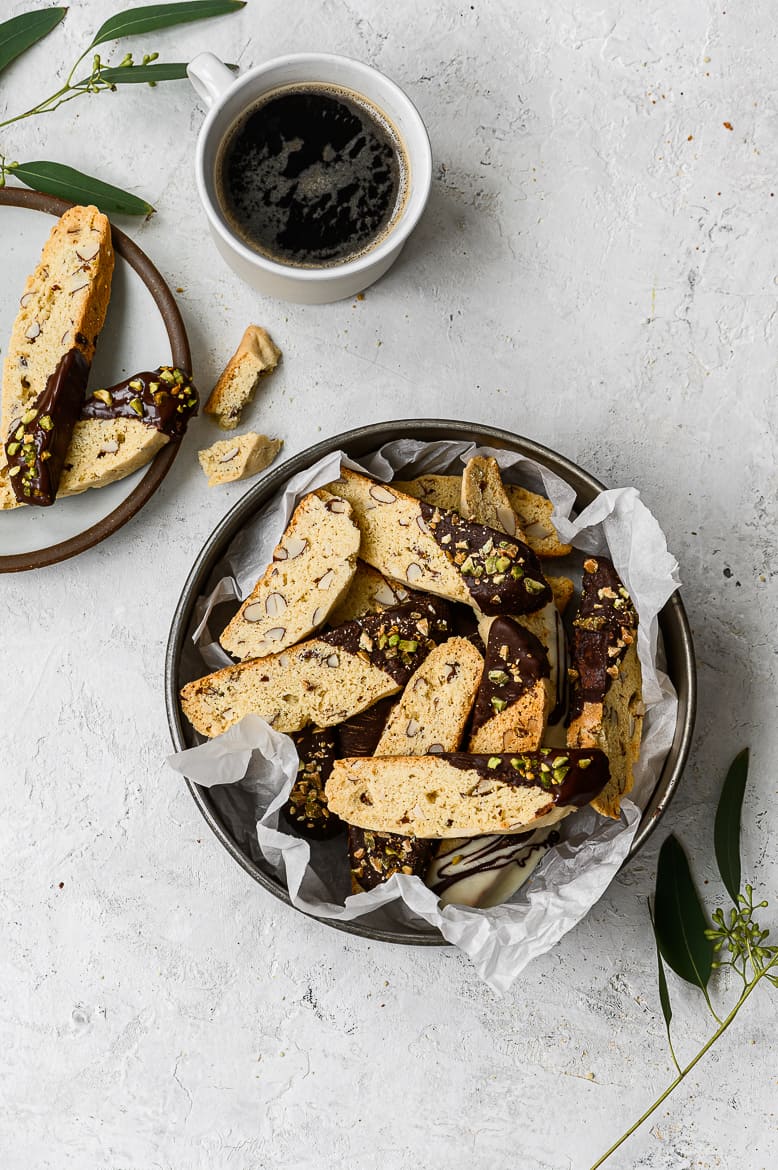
(369,592)
(306,809)
(312,567)
(606,709)
(438,552)
(255,357)
(460,795)
(515,695)
(533,511)
(484,499)
(231,459)
(63,307)
(325,680)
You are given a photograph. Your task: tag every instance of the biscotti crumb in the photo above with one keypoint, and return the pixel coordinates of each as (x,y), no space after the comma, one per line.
(238,458)
(256,356)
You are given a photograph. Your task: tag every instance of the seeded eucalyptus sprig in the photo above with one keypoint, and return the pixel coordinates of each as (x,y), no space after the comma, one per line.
(21,32)
(690,946)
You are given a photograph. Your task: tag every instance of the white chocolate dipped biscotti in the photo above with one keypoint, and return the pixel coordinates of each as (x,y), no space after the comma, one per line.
(312,567)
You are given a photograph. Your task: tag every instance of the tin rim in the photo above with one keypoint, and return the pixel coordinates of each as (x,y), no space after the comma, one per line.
(673,622)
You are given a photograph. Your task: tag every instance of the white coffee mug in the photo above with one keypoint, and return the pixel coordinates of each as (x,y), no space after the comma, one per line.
(228,97)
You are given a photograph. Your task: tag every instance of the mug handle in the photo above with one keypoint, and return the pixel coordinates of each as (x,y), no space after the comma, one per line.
(210,77)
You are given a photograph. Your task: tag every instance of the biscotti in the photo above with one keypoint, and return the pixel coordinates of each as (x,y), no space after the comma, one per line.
(369,592)
(436,702)
(515,695)
(63,307)
(438,552)
(606,709)
(376,857)
(484,499)
(229,460)
(325,680)
(312,567)
(306,808)
(462,795)
(533,511)
(486,871)
(256,356)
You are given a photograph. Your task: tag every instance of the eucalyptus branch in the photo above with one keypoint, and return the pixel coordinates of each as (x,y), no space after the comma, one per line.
(689,945)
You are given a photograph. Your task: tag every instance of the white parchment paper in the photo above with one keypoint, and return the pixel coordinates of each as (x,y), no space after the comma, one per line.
(262,763)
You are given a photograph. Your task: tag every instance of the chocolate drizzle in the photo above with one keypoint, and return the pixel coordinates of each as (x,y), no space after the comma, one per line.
(164,399)
(571,776)
(458,861)
(603,630)
(396,641)
(38,441)
(515,662)
(501,573)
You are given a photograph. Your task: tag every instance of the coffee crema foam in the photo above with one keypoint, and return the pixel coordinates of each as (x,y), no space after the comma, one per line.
(312,175)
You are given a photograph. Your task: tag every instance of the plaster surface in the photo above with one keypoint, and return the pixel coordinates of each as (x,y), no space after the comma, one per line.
(597,269)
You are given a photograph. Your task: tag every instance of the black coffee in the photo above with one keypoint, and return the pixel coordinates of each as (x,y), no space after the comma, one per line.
(311,176)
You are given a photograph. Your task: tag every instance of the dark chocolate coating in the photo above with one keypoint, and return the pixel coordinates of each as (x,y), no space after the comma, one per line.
(375,857)
(603,628)
(164,399)
(38,441)
(502,574)
(360,734)
(398,640)
(306,809)
(515,660)
(572,776)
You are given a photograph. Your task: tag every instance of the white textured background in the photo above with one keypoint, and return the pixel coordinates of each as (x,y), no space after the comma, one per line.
(598,270)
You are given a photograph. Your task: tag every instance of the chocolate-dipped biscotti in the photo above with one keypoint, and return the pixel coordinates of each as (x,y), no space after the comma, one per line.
(462,795)
(306,808)
(606,705)
(324,680)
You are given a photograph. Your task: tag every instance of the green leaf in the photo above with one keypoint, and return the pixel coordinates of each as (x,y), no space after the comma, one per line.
(152,17)
(67,183)
(680,920)
(135,74)
(22,31)
(726,832)
(664,994)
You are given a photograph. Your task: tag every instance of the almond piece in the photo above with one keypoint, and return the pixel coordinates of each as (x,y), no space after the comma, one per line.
(228,455)
(319,614)
(32,331)
(294,546)
(254,612)
(88,251)
(276,634)
(275,604)
(326,581)
(382,494)
(538,531)
(507,519)
(76,281)
(412,728)
(336,505)
(414,572)
(333,660)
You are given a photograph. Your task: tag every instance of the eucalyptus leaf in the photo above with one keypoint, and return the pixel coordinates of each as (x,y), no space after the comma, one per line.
(135,21)
(66,183)
(135,74)
(680,920)
(21,32)
(664,994)
(726,832)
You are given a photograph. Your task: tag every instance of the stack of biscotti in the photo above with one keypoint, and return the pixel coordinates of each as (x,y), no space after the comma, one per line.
(56,441)
(426,732)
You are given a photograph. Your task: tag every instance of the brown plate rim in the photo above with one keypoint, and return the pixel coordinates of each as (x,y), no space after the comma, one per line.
(181,356)
(673,622)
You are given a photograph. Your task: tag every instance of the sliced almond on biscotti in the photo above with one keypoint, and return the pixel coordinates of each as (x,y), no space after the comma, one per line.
(312,567)
(462,795)
(515,695)
(255,358)
(325,680)
(237,458)
(369,592)
(438,552)
(606,709)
